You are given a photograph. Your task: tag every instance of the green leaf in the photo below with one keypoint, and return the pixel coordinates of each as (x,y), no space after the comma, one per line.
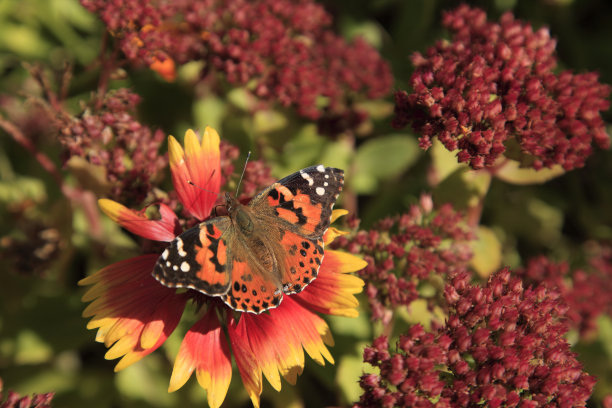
(444,162)
(303,149)
(337,154)
(350,369)
(209,111)
(359,326)
(31,349)
(266,121)
(418,312)
(371,32)
(376,109)
(487,252)
(464,188)
(510,172)
(146,380)
(604,323)
(22,188)
(242,99)
(22,40)
(381,159)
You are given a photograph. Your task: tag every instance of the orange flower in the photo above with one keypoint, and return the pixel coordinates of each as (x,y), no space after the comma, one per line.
(135,314)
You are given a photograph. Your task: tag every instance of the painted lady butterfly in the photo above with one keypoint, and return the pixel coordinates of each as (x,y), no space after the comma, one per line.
(261,251)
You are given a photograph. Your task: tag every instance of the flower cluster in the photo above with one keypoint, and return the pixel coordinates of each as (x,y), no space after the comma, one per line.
(284,50)
(135,314)
(495,81)
(586,291)
(107,135)
(502,345)
(14,400)
(405,250)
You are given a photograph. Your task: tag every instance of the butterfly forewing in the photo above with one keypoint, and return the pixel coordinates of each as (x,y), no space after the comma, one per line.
(303,201)
(198,259)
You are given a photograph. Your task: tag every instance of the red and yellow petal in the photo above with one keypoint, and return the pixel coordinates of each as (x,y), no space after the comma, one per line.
(333,292)
(276,350)
(306,328)
(274,343)
(247,363)
(196,171)
(164,229)
(133,313)
(204,349)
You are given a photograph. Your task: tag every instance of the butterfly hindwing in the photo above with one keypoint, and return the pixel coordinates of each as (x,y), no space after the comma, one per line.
(251,291)
(302,259)
(198,259)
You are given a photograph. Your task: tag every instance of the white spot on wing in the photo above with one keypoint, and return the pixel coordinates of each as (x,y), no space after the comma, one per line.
(326,184)
(165,254)
(175,268)
(168,264)
(179,247)
(321,168)
(320,191)
(306,176)
(185,267)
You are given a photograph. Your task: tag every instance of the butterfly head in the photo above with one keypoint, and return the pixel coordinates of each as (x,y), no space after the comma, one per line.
(231,204)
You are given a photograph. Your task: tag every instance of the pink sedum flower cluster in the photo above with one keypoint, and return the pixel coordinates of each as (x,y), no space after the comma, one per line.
(502,346)
(284,50)
(108,135)
(405,250)
(494,86)
(586,291)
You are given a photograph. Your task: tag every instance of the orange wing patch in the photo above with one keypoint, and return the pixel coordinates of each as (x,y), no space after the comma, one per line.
(249,291)
(312,212)
(288,215)
(283,195)
(302,259)
(212,258)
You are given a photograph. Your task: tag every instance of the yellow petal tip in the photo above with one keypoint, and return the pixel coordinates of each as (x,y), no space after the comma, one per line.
(337,213)
(210,140)
(110,208)
(175,151)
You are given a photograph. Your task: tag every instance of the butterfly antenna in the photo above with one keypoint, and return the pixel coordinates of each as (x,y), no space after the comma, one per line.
(243,170)
(203,189)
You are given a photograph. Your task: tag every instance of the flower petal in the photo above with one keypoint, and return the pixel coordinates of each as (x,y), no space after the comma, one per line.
(134,314)
(337,213)
(307,328)
(196,171)
(245,360)
(333,291)
(274,348)
(136,222)
(331,234)
(204,349)
(343,262)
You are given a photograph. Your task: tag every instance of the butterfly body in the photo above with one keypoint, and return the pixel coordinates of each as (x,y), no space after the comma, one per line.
(259,251)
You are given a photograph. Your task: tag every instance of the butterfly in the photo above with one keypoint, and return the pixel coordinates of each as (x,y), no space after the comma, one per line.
(271,247)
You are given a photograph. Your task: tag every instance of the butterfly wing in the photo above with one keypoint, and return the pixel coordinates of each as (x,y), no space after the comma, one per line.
(198,259)
(298,208)
(251,290)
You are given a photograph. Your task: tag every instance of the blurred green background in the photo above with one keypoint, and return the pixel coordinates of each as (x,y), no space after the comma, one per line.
(44,345)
